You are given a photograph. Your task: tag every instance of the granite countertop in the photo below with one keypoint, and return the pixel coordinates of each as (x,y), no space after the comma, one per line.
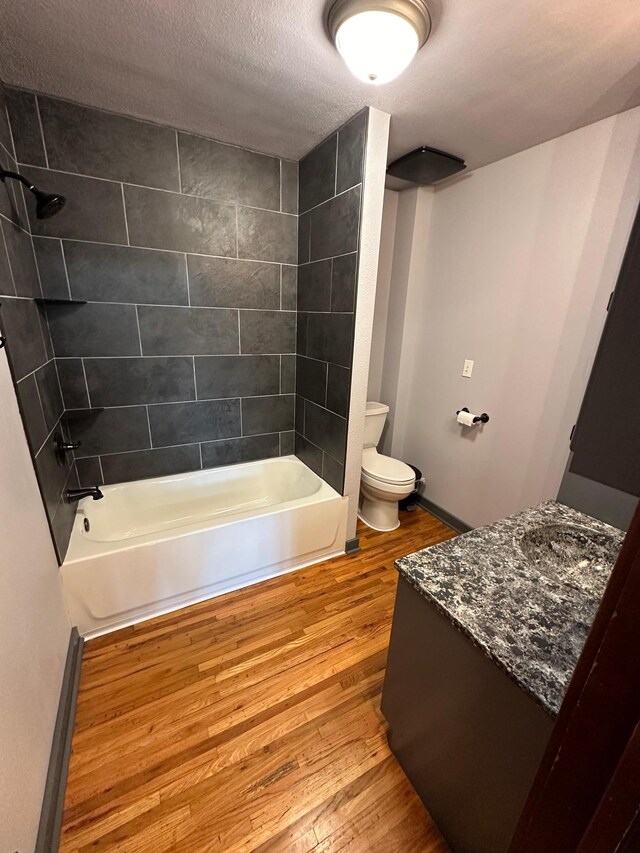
(522,590)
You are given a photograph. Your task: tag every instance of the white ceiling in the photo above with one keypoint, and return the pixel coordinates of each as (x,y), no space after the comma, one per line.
(496,76)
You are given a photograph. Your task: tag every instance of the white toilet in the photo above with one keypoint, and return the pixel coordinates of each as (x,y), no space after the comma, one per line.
(384,481)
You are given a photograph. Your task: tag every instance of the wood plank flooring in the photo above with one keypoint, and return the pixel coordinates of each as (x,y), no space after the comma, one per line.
(251,722)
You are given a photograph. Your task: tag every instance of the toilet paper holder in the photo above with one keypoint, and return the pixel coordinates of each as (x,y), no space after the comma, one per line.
(483,418)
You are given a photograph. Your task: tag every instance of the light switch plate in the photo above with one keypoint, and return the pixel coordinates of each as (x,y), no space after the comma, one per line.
(467,370)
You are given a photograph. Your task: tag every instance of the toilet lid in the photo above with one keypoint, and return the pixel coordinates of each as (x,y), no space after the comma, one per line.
(387,470)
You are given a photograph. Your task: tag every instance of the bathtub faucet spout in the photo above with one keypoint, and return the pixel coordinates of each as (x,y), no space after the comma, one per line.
(90,492)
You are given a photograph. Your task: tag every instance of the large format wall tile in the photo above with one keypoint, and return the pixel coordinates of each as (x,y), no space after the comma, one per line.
(338,389)
(267,236)
(51,267)
(105,145)
(133,381)
(343,283)
(32,414)
(289,186)
(183,423)
(188,331)
(289,288)
(318,174)
(267,414)
(330,337)
(23,113)
(351,140)
(94,330)
(73,383)
(326,430)
(94,209)
(224,172)
(50,396)
(335,226)
(311,379)
(112,431)
(232,283)
(314,286)
(237,376)
(20,322)
(102,273)
(160,462)
(164,220)
(267,331)
(233,450)
(287,374)
(308,453)
(22,260)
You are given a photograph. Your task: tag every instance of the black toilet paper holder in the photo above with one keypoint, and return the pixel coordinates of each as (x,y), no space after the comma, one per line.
(484,417)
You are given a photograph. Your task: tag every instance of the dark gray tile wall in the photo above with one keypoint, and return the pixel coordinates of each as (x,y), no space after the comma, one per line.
(184,250)
(330,193)
(24,322)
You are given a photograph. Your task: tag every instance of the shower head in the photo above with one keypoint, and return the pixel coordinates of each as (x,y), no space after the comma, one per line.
(46,204)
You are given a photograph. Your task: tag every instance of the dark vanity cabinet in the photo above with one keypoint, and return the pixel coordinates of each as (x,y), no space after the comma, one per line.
(606,440)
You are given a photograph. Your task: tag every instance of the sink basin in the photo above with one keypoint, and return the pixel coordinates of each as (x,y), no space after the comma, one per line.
(570,554)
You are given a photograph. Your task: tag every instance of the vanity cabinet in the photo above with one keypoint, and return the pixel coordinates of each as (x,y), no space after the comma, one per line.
(467,737)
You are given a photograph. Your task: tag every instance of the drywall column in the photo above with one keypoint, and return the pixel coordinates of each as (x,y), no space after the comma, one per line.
(34,633)
(370,226)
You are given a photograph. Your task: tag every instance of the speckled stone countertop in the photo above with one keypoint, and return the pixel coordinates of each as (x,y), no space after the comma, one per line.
(522,590)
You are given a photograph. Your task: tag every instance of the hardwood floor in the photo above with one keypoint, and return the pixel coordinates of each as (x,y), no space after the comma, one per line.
(251,722)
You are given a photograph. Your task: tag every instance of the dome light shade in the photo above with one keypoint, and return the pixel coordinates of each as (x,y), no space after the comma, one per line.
(378,38)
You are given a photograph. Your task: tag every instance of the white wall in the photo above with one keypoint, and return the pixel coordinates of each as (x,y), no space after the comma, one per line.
(34,633)
(512,266)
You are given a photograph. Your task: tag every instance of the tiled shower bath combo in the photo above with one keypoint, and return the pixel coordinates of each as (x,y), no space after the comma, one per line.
(175,314)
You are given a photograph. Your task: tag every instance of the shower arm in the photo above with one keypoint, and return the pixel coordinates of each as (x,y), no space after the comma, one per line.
(16,177)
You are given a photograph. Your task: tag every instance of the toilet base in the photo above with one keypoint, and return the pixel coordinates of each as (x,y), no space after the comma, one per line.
(378,514)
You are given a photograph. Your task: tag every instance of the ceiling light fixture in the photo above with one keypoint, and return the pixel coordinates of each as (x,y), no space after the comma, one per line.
(378,38)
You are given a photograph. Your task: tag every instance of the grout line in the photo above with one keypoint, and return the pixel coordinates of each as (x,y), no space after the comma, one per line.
(44,420)
(44,144)
(186,270)
(6,250)
(279,444)
(100,464)
(241,427)
(327,200)
(240,336)
(335,179)
(156,249)
(281,287)
(200,449)
(179,168)
(66,270)
(195,383)
(149,426)
(178,402)
(124,210)
(139,333)
(219,201)
(186,444)
(280,164)
(183,355)
(237,238)
(36,265)
(331,286)
(86,382)
(280,383)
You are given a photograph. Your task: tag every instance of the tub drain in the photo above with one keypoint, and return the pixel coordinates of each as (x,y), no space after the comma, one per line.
(87,526)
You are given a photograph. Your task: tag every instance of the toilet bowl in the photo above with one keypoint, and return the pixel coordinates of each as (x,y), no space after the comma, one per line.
(383,481)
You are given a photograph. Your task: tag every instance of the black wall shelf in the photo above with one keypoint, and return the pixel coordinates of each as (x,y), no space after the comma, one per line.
(81,414)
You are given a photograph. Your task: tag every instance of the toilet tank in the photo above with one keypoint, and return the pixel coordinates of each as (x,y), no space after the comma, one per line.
(374,419)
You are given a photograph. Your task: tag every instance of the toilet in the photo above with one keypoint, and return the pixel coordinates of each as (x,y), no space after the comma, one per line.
(384,481)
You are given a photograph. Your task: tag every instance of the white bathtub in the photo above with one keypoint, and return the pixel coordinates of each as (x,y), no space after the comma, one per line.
(156,545)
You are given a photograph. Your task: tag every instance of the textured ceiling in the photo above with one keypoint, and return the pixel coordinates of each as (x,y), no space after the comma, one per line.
(496,76)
